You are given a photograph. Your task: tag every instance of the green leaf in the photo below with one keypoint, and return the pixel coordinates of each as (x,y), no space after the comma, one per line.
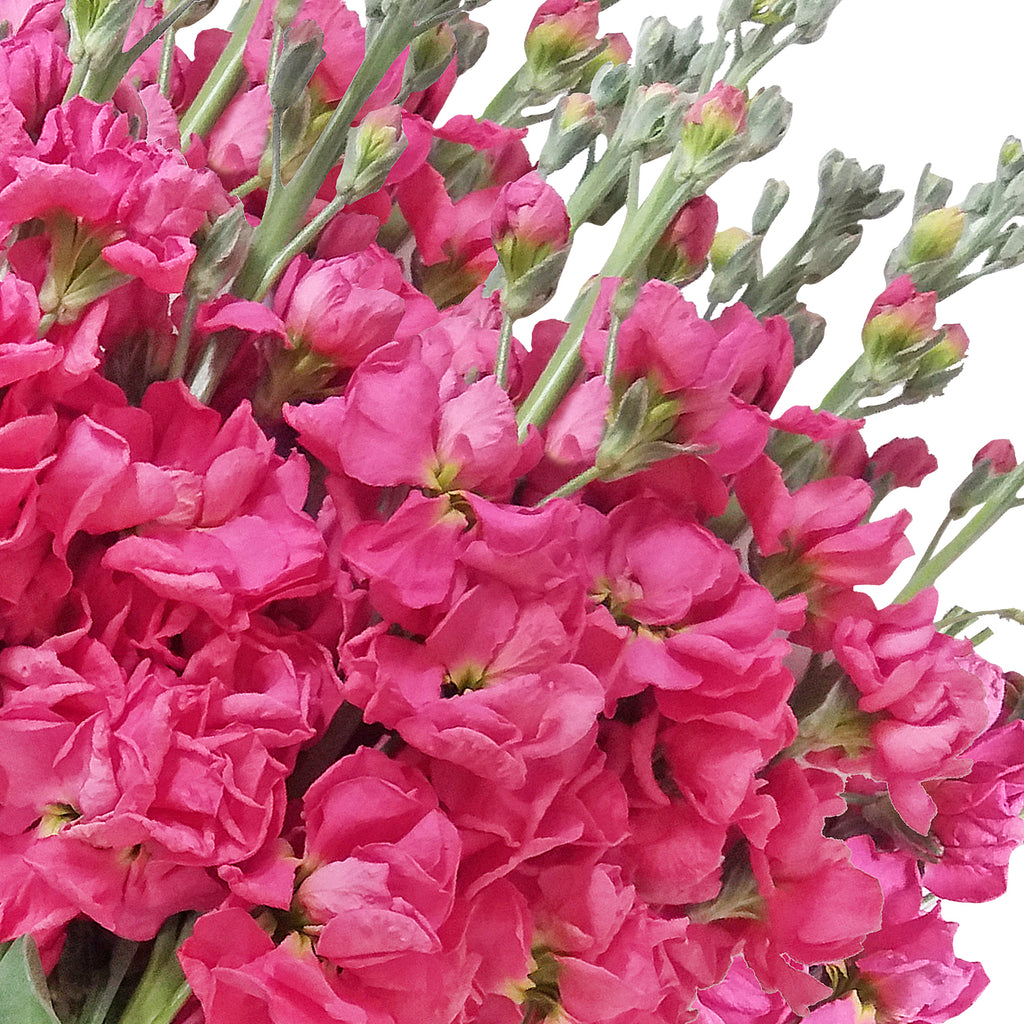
(24,996)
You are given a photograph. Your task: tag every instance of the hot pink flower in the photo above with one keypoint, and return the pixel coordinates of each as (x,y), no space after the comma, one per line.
(141,202)
(237,973)
(909,965)
(978,819)
(925,706)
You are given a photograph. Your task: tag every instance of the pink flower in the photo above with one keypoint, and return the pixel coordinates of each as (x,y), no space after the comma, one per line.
(924,705)
(380,862)
(343,308)
(237,973)
(977,819)
(528,223)
(909,965)
(141,201)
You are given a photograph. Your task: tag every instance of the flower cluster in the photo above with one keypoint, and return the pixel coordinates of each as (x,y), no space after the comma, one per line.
(429,676)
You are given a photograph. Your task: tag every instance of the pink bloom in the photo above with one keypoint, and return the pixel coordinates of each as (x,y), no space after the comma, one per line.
(925,706)
(528,223)
(237,973)
(977,819)
(382,860)
(909,965)
(35,70)
(906,458)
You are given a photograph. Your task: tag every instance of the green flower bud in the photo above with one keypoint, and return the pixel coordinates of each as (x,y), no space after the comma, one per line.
(373,148)
(724,246)
(935,235)
(303,52)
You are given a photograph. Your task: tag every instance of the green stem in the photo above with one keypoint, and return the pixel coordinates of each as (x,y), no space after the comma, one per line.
(598,181)
(715,58)
(611,352)
(507,103)
(275,52)
(504,348)
(163,990)
(577,483)
(283,217)
(255,182)
(223,80)
(936,537)
(303,238)
(989,514)
(166,63)
(633,190)
(635,241)
(180,357)
(846,393)
(102,77)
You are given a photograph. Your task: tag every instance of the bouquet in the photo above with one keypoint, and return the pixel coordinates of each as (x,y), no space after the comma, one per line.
(389,638)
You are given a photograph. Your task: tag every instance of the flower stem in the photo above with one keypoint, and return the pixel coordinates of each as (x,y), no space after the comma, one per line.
(635,241)
(283,217)
(163,990)
(504,347)
(223,80)
(1003,499)
(577,483)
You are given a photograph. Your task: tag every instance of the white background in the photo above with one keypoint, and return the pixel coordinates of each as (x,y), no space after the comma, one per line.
(904,83)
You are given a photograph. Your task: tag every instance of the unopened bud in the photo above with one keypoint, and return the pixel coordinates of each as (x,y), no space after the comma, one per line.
(198,10)
(575,124)
(713,120)
(992,462)
(900,320)
(470,42)
(681,254)
(936,234)
(373,148)
(610,86)
(303,52)
(530,232)
(220,256)
(430,53)
(613,49)
(561,39)
(651,118)
(724,246)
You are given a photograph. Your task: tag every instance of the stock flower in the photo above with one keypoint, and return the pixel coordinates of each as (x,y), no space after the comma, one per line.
(137,202)
(925,704)
(681,254)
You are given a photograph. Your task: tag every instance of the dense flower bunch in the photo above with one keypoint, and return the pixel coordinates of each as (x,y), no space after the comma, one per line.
(385,670)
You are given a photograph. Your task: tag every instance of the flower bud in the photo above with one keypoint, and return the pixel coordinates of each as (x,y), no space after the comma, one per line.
(650,119)
(712,120)
(901,319)
(303,52)
(528,223)
(992,462)
(574,126)
(373,148)
(613,49)
(561,38)
(936,234)
(220,256)
(530,232)
(725,244)
(681,254)
(470,42)
(430,53)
